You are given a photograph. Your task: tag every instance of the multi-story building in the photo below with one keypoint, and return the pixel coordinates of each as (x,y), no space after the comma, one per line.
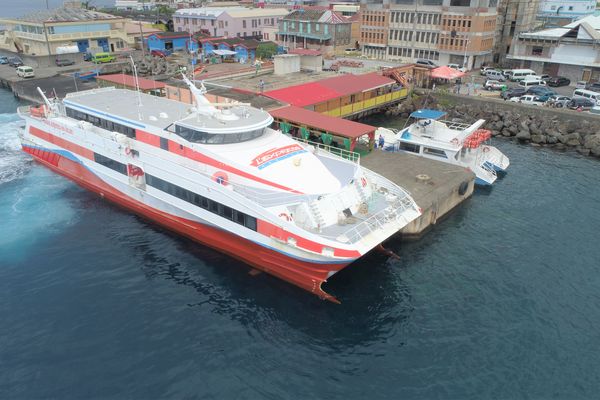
(514,17)
(444,31)
(561,12)
(45,32)
(228,21)
(323,30)
(572,51)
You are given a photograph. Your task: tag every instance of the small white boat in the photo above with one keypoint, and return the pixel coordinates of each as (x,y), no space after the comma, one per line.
(450,142)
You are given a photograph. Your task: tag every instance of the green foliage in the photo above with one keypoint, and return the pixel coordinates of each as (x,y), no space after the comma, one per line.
(266,50)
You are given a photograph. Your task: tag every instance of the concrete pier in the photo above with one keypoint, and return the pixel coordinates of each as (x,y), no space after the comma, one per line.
(437,187)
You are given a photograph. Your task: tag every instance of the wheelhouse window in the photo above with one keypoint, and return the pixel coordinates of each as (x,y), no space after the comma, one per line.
(196,136)
(434,152)
(413,148)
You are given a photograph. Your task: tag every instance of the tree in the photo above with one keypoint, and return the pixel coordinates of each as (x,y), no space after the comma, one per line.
(266,50)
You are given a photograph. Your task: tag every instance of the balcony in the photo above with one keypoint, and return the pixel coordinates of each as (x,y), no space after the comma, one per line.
(114,33)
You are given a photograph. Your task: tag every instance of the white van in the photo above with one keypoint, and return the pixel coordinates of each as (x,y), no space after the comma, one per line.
(517,75)
(25,72)
(495,75)
(588,94)
(530,81)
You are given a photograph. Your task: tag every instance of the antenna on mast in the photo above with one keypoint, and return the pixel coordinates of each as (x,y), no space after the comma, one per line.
(137,87)
(204,106)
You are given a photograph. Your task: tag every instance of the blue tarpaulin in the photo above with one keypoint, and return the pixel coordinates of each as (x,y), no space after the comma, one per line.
(428,114)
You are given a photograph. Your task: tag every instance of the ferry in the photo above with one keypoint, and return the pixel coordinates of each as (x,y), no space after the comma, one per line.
(218,174)
(450,142)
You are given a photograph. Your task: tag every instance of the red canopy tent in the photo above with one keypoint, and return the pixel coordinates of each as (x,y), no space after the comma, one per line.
(446,73)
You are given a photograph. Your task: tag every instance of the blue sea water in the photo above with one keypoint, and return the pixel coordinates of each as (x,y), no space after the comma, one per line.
(500,301)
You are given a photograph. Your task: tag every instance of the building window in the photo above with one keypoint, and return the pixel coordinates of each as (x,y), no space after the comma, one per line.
(243,24)
(570,8)
(537,51)
(460,3)
(553,8)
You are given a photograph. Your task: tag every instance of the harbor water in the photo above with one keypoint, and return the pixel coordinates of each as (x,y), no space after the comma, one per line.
(499,301)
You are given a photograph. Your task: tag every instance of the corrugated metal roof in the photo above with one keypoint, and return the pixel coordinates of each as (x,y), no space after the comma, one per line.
(257,12)
(321,122)
(329,89)
(66,14)
(129,81)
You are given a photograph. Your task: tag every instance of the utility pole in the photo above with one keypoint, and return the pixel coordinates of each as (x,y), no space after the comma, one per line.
(142,39)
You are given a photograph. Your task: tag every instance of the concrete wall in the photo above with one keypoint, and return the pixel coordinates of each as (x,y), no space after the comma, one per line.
(286,64)
(311,63)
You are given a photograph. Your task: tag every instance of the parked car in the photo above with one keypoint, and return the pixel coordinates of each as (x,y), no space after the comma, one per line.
(3,60)
(491,84)
(513,92)
(557,101)
(483,70)
(593,86)
(426,63)
(158,53)
(25,72)
(457,67)
(542,92)
(63,62)
(99,58)
(495,75)
(529,99)
(558,81)
(15,62)
(545,77)
(582,102)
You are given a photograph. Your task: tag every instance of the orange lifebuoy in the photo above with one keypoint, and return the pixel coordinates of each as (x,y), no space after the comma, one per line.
(285,216)
(221,178)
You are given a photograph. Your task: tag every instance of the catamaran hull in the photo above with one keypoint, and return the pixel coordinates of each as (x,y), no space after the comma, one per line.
(308,275)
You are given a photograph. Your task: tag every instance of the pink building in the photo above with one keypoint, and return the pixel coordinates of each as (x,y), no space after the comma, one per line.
(229,22)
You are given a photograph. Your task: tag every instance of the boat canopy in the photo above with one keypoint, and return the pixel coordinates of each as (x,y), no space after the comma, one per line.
(427,114)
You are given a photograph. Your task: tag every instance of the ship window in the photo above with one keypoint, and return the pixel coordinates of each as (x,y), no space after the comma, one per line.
(201,201)
(194,136)
(110,163)
(101,122)
(434,152)
(413,148)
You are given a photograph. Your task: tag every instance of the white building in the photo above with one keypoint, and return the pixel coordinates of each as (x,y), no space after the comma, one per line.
(561,12)
(134,5)
(572,51)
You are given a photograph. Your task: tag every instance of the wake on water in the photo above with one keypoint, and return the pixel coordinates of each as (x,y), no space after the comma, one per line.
(14,163)
(32,202)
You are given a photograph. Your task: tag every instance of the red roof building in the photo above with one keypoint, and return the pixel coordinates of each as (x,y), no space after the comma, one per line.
(128,82)
(305,52)
(328,89)
(325,123)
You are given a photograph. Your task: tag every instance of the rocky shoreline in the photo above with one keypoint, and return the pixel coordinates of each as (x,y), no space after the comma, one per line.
(537,126)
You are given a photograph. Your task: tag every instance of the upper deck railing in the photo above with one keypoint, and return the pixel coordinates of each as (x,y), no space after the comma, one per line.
(336,151)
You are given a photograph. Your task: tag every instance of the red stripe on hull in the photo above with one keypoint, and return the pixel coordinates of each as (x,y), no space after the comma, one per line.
(65,144)
(306,275)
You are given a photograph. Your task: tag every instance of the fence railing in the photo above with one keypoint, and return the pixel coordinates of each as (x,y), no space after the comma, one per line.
(336,151)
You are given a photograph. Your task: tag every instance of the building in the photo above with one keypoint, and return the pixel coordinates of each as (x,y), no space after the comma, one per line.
(346,95)
(514,17)
(245,49)
(171,41)
(323,30)
(444,31)
(134,5)
(124,81)
(572,51)
(228,22)
(560,12)
(138,30)
(50,32)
